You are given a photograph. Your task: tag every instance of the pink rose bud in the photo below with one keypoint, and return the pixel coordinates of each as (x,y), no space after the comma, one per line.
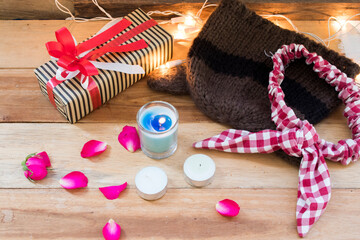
(44,157)
(228,208)
(34,166)
(111,230)
(35,172)
(129,138)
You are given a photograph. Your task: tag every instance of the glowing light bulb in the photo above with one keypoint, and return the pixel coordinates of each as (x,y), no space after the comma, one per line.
(177,20)
(180,35)
(357,78)
(341,20)
(163,66)
(181,27)
(190,21)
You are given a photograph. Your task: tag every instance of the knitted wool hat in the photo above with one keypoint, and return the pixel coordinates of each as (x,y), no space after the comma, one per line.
(227,71)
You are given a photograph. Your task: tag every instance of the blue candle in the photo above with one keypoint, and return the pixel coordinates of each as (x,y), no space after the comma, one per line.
(161,122)
(158,123)
(154,122)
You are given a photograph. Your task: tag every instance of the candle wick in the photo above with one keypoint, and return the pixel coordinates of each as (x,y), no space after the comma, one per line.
(200,164)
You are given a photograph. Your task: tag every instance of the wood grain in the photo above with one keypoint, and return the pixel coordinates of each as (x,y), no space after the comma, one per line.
(34,9)
(180,214)
(64,142)
(33,53)
(298,10)
(22,101)
(265,186)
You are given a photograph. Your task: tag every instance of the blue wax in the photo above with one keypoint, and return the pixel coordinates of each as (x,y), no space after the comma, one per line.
(157,123)
(161,134)
(161,123)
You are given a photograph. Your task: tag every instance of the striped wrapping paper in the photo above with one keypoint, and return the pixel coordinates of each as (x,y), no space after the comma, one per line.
(74,102)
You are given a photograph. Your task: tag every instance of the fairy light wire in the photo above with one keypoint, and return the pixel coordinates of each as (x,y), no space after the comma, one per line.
(64,9)
(197,18)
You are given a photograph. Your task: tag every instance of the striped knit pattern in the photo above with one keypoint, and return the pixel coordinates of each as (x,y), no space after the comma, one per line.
(74,102)
(227,71)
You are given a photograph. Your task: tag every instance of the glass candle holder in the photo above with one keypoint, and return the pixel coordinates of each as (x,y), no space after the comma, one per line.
(158,126)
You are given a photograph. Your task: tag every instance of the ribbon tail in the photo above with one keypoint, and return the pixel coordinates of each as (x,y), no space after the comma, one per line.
(314,191)
(50,85)
(241,141)
(119,67)
(94,92)
(67,74)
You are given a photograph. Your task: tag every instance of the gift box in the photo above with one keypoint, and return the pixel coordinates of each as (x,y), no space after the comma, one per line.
(82,77)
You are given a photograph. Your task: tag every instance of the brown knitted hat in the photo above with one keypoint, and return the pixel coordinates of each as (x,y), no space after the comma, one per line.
(227,71)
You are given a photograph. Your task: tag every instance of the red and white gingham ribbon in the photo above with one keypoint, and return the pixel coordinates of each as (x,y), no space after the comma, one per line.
(299,138)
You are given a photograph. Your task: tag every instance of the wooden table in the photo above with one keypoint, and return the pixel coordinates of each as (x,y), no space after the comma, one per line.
(264,185)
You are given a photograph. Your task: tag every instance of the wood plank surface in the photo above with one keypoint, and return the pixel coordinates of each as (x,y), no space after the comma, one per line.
(34,9)
(180,214)
(18,54)
(32,106)
(299,10)
(22,101)
(264,185)
(63,142)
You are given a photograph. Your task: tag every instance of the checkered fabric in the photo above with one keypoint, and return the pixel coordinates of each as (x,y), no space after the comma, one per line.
(299,138)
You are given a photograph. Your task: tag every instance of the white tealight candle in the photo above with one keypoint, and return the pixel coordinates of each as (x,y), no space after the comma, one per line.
(151,183)
(199,170)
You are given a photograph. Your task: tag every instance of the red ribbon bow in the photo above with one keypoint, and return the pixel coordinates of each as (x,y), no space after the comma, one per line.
(73,58)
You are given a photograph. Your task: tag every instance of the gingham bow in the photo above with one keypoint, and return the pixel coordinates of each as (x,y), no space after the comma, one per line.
(299,138)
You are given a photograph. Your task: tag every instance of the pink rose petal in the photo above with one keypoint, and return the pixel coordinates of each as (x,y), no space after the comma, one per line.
(35,172)
(228,208)
(111,230)
(35,161)
(113,192)
(43,155)
(93,148)
(73,180)
(129,138)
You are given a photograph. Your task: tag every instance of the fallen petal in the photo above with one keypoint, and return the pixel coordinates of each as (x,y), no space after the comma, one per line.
(93,148)
(228,208)
(111,230)
(35,172)
(129,138)
(43,155)
(74,180)
(113,192)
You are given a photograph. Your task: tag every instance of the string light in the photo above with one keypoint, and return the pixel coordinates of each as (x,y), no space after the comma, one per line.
(171,64)
(357,78)
(189,23)
(179,35)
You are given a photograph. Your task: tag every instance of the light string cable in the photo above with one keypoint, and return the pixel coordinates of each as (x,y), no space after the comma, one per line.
(182,16)
(64,9)
(342,25)
(294,27)
(326,41)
